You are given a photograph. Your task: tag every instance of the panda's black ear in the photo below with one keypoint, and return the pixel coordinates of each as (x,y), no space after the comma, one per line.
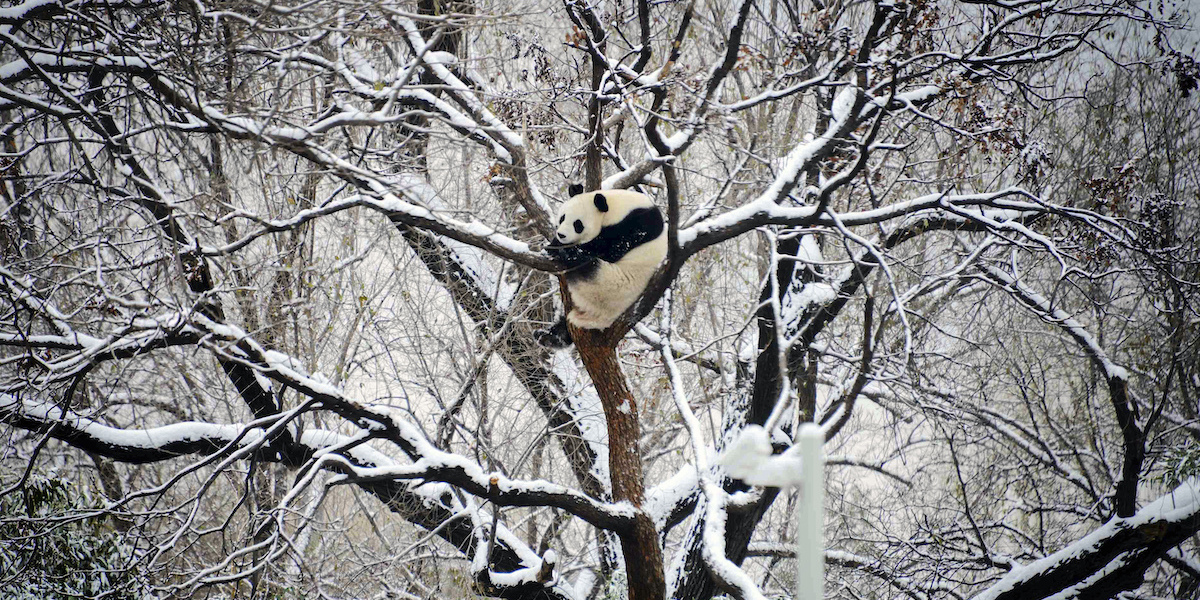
(574,189)
(601,202)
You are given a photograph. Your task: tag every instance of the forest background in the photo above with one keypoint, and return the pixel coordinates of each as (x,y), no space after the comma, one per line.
(271,275)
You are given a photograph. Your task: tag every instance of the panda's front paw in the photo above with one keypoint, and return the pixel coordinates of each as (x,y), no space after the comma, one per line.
(569,257)
(557,337)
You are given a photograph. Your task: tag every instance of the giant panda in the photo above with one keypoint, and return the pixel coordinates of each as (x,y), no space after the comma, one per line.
(610,243)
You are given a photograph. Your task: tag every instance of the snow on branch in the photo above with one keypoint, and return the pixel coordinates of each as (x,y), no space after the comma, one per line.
(1057,316)
(1001,205)
(1098,564)
(127,445)
(462,93)
(18,13)
(726,573)
(907,585)
(429,463)
(155,444)
(232,344)
(1117,377)
(1088,567)
(499,489)
(398,199)
(486,297)
(329,450)
(83,350)
(751,459)
(430,505)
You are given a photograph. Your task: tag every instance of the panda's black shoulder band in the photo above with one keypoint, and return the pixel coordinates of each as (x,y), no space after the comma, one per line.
(641,225)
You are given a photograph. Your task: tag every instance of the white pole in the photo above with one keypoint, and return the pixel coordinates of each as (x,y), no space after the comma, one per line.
(810,547)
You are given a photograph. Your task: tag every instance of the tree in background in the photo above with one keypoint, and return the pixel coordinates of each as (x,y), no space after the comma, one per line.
(271,277)
(58,545)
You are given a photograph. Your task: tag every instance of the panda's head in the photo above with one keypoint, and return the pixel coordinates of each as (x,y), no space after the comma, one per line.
(581,218)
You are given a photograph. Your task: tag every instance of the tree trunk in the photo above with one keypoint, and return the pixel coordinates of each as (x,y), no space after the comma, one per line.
(643,555)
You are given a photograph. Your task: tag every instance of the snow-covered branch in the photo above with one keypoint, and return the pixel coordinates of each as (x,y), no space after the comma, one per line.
(1116,377)
(1110,559)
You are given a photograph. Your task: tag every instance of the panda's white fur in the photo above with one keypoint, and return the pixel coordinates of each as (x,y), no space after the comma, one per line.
(625,245)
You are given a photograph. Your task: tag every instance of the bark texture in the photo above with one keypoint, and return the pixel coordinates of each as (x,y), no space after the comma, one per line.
(640,546)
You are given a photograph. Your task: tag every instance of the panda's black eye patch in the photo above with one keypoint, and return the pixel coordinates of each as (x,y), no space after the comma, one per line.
(578,226)
(561,219)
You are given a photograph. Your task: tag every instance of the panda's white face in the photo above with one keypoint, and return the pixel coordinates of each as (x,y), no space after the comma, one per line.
(581,218)
(579,221)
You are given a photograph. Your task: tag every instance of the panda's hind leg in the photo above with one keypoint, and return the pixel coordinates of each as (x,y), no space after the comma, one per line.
(557,336)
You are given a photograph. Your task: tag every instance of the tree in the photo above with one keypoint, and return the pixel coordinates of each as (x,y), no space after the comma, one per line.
(71,558)
(263,260)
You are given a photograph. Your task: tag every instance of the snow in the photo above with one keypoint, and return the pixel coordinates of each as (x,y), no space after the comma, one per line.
(373,463)
(810,250)
(20,10)
(770,95)
(462,92)
(281,360)
(440,57)
(781,471)
(152,438)
(747,452)
(518,577)
(479,121)
(587,410)
(1061,318)
(748,347)
(723,569)
(327,446)
(323,440)
(655,339)
(664,497)
(13,97)
(1117,372)
(763,205)
(525,575)
(750,459)
(15,68)
(679,394)
(432,461)
(1180,504)
(74,340)
(390,202)
(997,203)
(676,140)
(359,64)
(470,257)
(789,175)
(841,106)
(796,301)
(918,95)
